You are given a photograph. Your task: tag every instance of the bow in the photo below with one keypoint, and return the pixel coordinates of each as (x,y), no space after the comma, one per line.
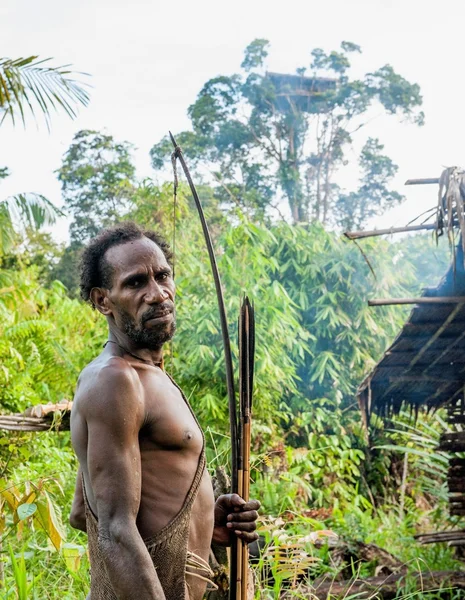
(240,445)
(177,154)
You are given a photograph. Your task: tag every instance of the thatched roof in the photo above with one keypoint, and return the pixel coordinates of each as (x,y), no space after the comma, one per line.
(425,366)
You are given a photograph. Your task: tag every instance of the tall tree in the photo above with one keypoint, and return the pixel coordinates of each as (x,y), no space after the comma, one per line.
(98,187)
(268,137)
(97,181)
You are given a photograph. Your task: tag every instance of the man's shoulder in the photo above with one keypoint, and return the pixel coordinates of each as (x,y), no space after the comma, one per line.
(108,382)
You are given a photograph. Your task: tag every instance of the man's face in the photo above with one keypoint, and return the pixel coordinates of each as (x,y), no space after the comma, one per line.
(141,297)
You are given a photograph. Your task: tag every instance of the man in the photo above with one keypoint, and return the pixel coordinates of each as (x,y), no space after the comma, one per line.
(143,494)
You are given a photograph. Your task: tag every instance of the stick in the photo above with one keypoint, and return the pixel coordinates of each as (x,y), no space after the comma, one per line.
(426,181)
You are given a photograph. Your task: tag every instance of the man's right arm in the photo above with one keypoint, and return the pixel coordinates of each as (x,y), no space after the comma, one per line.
(114,418)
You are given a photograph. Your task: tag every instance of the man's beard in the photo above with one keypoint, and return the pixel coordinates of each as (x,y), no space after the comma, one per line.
(153,337)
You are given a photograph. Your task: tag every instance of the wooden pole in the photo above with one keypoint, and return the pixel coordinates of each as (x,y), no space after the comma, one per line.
(357,235)
(425,181)
(421,300)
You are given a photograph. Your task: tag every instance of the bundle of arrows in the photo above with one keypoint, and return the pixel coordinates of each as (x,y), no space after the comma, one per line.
(239,554)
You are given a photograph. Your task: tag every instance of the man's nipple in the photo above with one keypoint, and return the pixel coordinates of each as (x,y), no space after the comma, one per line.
(188,435)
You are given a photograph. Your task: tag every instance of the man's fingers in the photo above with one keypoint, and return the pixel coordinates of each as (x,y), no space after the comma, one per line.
(251,505)
(242,525)
(231,502)
(247,537)
(243,517)
(235,502)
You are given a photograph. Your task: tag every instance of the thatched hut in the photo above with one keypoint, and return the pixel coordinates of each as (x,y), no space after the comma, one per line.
(424,369)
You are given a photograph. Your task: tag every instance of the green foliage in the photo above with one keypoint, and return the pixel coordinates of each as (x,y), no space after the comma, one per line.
(373,195)
(31,211)
(268,137)
(39,362)
(316,338)
(255,54)
(28,84)
(97,181)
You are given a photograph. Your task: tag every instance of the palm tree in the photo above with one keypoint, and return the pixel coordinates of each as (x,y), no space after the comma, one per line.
(32,85)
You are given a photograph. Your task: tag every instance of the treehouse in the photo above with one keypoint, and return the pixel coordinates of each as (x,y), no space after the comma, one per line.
(306,94)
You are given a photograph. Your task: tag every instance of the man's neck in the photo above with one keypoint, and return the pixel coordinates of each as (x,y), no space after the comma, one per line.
(148,355)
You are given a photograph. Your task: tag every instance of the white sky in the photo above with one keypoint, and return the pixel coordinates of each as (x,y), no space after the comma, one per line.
(149,59)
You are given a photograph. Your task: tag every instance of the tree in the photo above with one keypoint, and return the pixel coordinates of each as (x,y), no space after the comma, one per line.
(269,137)
(373,195)
(97,181)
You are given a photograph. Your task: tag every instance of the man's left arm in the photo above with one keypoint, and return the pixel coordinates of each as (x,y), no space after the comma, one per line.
(77,518)
(235,516)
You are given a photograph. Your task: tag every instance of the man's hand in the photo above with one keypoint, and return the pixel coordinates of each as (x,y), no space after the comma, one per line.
(235,516)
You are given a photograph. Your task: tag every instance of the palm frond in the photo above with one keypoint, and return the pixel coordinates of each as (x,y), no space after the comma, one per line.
(33,210)
(28,84)
(28,210)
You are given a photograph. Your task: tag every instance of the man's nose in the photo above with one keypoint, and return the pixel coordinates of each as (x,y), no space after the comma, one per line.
(155,293)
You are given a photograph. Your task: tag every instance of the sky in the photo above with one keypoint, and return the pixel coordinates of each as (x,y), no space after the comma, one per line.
(149,59)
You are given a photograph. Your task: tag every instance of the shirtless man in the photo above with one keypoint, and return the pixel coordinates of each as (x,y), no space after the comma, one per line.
(143,494)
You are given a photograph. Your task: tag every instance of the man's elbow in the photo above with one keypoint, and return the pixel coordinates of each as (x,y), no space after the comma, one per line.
(117,535)
(78,521)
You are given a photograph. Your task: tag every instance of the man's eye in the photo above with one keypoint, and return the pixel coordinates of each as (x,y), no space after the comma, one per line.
(135,283)
(163,276)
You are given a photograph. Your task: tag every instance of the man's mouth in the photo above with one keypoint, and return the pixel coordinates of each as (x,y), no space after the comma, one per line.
(160,316)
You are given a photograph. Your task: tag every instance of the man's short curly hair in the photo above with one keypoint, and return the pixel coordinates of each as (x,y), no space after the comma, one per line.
(94,268)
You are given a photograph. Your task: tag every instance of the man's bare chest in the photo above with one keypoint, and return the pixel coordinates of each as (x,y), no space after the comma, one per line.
(169,423)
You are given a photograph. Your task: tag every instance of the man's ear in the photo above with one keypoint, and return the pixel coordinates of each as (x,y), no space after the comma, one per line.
(100,301)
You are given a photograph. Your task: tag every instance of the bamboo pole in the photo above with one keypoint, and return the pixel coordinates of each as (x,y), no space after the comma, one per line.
(421,300)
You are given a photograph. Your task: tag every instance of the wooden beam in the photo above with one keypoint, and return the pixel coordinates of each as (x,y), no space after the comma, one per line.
(440,536)
(424,181)
(457,512)
(386,587)
(357,235)
(420,300)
